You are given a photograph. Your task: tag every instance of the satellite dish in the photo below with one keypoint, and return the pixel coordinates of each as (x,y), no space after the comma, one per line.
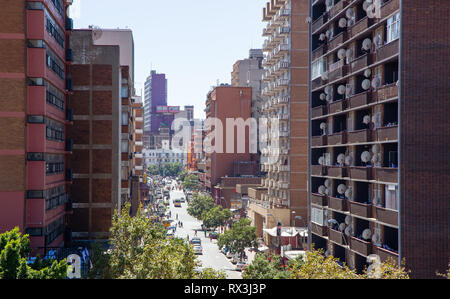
(341,89)
(366,5)
(367,43)
(376,238)
(376,148)
(349,231)
(366,119)
(367,234)
(375,158)
(348,220)
(328,34)
(328,192)
(327,183)
(328,98)
(323,126)
(328,89)
(341,158)
(377,41)
(350,13)
(366,84)
(376,82)
(349,53)
(322,37)
(321,161)
(343,23)
(348,160)
(323,96)
(366,156)
(341,189)
(349,193)
(367,73)
(341,53)
(342,227)
(322,190)
(324,76)
(97,33)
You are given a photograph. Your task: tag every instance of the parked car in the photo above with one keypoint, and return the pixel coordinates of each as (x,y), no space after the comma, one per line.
(214,235)
(240,266)
(235,259)
(198,249)
(196,241)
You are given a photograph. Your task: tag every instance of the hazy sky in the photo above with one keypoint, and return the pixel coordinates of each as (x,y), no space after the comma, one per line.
(195,43)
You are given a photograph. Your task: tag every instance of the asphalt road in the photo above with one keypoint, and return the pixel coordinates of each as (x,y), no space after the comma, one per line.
(211,257)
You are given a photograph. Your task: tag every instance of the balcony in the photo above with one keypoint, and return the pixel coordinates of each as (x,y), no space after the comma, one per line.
(338,204)
(387,50)
(389,7)
(337,106)
(359,27)
(318,111)
(318,52)
(360,63)
(337,138)
(385,254)
(360,173)
(362,247)
(337,73)
(358,100)
(337,8)
(336,236)
(318,140)
(319,230)
(360,209)
(387,92)
(317,170)
(387,216)
(359,136)
(337,41)
(319,200)
(336,171)
(319,22)
(317,83)
(387,133)
(387,175)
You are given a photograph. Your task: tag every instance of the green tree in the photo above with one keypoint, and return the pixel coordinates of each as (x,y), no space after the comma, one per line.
(200,204)
(265,267)
(182,175)
(14,250)
(240,236)
(190,182)
(210,273)
(216,217)
(141,250)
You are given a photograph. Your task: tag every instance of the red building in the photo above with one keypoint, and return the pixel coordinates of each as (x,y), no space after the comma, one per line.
(34,53)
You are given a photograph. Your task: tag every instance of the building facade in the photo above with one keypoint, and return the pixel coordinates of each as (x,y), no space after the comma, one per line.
(379,176)
(34,116)
(283,194)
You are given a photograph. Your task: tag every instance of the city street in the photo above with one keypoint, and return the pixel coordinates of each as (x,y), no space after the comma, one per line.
(211,257)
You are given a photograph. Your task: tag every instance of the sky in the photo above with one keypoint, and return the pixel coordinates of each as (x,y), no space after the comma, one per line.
(195,43)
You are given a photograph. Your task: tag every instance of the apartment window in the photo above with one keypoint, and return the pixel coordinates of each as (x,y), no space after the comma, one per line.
(54,130)
(54,100)
(54,230)
(391,197)
(124,91)
(318,68)
(54,30)
(58,5)
(124,146)
(124,118)
(393,28)
(54,64)
(54,168)
(317,216)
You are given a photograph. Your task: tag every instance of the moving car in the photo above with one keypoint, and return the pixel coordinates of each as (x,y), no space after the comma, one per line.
(198,249)
(182,199)
(177,203)
(240,266)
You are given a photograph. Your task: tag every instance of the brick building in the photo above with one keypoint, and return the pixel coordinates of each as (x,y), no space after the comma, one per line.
(34,53)
(379,171)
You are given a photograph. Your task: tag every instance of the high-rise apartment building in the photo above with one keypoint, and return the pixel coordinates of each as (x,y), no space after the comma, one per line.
(379,171)
(34,87)
(284,189)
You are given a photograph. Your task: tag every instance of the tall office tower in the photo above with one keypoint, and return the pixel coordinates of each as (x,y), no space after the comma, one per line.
(286,107)
(34,53)
(379,171)
(155,94)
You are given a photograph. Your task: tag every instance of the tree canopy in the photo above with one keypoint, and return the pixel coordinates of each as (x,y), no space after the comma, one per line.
(240,236)
(200,204)
(14,250)
(216,217)
(165,169)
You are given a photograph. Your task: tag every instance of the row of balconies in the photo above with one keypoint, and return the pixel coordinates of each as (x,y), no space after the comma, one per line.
(275,70)
(360,173)
(382,134)
(357,245)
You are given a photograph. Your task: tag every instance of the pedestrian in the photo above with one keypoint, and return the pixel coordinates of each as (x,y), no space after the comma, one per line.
(196,233)
(210,237)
